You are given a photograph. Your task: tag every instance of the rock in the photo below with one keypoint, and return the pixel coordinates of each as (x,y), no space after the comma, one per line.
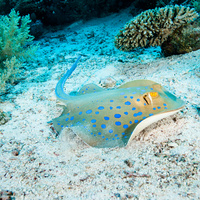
(4,118)
(6,194)
(62,12)
(172,144)
(107,82)
(183,40)
(36,29)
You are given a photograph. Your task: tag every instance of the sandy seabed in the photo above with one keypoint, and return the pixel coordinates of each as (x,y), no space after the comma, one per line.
(162,163)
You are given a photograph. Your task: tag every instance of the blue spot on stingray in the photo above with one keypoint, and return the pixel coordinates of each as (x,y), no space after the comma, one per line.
(125,136)
(86,89)
(145,104)
(138,99)
(106,138)
(130,122)
(103,126)
(126,113)
(134,93)
(80,113)
(133,108)
(150,114)
(110,131)
(100,107)
(83,119)
(116,135)
(151,88)
(125,97)
(125,126)
(72,118)
(61,125)
(118,123)
(111,100)
(66,119)
(106,118)
(144,117)
(139,113)
(127,103)
(94,135)
(91,133)
(138,88)
(94,125)
(99,133)
(165,107)
(123,133)
(93,120)
(88,111)
(97,112)
(103,136)
(164,104)
(131,97)
(136,121)
(154,108)
(118,107)
(159,107)
(122,93)
(117,138)
(117,115)
(135,115)
(143,90)
(111,107)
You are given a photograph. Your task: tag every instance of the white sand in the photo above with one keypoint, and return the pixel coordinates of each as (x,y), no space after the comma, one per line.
(164,164)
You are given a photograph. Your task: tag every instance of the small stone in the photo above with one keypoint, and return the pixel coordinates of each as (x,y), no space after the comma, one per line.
(15,152)
(128,162)
(107,82)
(172,144)
(117,195)
(4,118)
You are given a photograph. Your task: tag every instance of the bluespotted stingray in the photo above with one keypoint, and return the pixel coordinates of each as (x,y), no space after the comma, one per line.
(112,117)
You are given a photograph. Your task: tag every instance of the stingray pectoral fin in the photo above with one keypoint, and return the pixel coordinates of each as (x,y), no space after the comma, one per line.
(95,140)
(60,122)
(150,120)
(90,88)
(137,83)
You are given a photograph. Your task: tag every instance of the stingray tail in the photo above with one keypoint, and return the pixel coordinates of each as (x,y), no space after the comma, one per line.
(60,85)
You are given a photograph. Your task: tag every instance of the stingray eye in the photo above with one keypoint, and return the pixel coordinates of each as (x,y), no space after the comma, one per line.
(146,98)
(153,94)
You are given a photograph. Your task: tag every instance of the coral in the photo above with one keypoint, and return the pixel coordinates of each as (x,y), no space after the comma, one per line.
(14,36)
(152,27)
(196,5)
(183,40)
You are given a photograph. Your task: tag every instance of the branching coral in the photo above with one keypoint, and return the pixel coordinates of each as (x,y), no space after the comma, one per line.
(14,37)
(152,27)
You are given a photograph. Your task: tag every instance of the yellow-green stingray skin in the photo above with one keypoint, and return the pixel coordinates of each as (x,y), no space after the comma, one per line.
(109,118)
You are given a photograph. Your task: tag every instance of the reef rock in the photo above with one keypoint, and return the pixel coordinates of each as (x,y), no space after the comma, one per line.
(183,40)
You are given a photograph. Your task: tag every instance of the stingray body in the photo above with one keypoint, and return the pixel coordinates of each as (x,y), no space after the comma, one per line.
(111,118)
